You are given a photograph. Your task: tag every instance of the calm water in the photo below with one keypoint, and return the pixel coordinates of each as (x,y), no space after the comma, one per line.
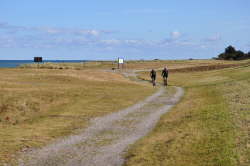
(16,63)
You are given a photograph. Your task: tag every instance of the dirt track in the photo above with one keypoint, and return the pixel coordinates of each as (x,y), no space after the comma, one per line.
(105,141)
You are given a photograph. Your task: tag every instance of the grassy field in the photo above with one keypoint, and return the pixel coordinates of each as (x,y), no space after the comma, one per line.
(39,105)
(172,64)
(209,127)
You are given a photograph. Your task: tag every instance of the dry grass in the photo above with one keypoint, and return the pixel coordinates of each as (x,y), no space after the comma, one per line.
(37,106)
(209,127)
(75,66)
(177,64)
(157,64)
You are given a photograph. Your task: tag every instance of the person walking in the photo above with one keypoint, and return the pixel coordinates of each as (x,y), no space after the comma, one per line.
(153,76)
(164,75)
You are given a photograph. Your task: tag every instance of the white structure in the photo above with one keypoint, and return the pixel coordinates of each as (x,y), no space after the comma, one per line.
(120,62)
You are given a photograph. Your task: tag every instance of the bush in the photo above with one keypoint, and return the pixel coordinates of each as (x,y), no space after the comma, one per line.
(232,54)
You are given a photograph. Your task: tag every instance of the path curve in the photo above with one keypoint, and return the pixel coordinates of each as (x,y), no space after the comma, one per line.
(107,138)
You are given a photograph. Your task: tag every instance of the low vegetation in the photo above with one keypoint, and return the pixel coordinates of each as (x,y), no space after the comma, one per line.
(39,105)
(210,126)
(137,64)
(72,66)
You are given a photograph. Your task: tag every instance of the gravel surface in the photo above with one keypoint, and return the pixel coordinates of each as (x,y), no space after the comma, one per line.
(107,138)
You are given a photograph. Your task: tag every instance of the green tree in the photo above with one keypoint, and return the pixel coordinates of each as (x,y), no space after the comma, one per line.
(232,54)
(230,50)
(239,55)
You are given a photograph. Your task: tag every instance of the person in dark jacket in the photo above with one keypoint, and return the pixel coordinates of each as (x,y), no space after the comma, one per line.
(164,75)
(153,76)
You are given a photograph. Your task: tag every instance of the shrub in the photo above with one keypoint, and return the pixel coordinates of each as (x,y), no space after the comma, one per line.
(232,54)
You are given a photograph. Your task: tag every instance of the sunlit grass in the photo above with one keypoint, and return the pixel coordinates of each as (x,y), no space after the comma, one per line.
(40,105)
(37,106)
(155,64)
(208,127)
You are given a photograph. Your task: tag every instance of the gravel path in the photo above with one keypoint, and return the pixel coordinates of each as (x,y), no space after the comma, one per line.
(107,138)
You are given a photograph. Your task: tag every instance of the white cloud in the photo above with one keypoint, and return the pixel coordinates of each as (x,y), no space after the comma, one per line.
(175,35)
(50,30)
(135,42)
(53,30)
(111,42)
(71,31)
(213,38)
(92,32)
(11,28)
(51,37)
(174,38)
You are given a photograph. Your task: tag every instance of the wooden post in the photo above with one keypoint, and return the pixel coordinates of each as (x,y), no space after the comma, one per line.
(118,63)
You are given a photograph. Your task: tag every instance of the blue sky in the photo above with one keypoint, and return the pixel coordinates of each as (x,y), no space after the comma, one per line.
(141,29)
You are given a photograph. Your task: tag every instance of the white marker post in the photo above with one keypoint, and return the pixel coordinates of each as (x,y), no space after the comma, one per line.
(120,62)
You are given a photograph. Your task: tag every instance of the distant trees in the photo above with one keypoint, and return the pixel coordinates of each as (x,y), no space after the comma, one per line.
(232,54)
(230,50)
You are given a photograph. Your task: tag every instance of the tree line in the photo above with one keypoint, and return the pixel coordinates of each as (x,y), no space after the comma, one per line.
(232,54)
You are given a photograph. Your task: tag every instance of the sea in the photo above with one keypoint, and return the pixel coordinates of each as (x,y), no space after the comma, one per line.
(16,63)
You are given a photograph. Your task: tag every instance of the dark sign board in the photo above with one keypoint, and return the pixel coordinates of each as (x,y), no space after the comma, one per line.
(38,59)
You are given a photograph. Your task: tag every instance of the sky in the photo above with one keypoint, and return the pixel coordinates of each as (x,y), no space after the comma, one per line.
(130,29)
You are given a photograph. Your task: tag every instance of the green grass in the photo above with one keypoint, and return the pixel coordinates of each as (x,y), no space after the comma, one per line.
(209,127)
(38,106)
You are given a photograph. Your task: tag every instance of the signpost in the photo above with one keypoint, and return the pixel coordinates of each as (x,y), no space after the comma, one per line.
(120,63)
(38,60)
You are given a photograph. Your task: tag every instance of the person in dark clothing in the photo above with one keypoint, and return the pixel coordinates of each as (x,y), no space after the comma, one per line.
(153,76)
(164,75)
